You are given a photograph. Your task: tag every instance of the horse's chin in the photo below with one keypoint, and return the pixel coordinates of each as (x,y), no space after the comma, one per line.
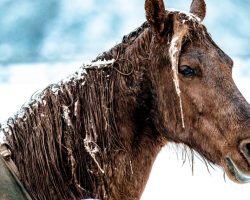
(235,173)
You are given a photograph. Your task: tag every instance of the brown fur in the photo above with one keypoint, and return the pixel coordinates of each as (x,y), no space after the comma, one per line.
(198,8)
(98,135)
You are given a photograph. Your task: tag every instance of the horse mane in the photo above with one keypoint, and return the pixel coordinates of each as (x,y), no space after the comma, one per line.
(73,122)
(127,40)
(63,124)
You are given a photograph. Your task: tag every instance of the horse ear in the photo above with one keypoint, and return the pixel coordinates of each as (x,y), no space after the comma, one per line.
(155,14)
(198,8)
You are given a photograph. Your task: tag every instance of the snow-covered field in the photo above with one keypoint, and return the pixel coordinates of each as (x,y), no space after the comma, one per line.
(169,179)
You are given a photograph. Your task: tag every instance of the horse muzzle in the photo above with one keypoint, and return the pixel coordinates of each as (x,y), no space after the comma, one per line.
(238,175)
(233,169)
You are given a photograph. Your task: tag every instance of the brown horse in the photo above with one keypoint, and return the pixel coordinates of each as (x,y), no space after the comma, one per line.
(97,133)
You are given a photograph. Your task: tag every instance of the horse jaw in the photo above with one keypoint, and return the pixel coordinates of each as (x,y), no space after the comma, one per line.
(234,171)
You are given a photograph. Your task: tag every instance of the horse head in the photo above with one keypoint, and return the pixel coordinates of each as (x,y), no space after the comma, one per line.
(196,100)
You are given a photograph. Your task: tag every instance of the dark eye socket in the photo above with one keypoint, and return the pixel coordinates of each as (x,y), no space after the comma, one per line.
(187,71)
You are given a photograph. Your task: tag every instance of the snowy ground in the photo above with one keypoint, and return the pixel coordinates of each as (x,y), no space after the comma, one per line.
(169,179)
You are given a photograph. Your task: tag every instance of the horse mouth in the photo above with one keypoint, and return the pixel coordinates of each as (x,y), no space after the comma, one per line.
(237,174)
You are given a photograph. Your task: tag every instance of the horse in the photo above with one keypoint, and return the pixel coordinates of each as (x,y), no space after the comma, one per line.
(96,134)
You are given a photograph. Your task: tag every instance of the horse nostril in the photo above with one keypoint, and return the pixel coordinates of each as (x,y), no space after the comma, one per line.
(245,148)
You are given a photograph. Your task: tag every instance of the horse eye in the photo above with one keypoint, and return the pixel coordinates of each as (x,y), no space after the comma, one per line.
(186,71)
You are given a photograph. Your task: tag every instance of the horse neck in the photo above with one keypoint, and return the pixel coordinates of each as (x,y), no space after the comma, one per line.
(114,158)
(132,107)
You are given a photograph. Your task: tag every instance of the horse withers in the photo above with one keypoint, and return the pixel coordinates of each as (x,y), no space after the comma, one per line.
(97,133)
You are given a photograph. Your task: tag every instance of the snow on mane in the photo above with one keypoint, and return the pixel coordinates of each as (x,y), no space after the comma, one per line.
(189,15)
(101,63)
(38,97)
